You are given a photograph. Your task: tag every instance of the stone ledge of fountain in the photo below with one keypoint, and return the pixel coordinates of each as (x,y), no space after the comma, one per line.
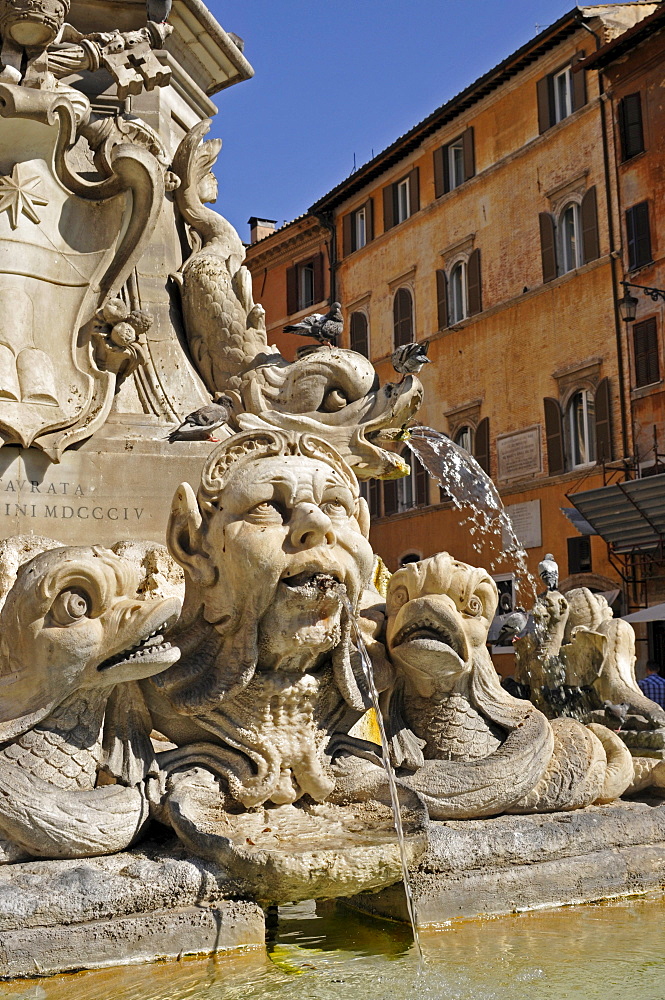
(144,905)
(497,866)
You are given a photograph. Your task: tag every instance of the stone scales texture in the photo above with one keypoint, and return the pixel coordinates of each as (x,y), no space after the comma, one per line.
(216,688)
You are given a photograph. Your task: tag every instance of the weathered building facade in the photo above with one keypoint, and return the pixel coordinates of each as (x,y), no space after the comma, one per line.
(491,229)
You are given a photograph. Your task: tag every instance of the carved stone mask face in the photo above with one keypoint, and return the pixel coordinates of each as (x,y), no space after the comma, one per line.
(439,611)
(284,528)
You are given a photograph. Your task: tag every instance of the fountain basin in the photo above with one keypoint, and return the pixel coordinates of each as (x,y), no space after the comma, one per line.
(512,863)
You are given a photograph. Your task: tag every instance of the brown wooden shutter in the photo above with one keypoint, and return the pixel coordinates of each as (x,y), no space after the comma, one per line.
(347,235)
(388,207)
(469,153)
(358,334)
(402,317)
(291,290)
(414,190)
(545,104)
(638,233)
(374,498)
(439,172)
(630,126)
(481,450)
(420,485)
(390,503)
(645,347)
(317,264)
(547,246)
(369,219)
(579,83)
(590,244)
(556,462)
(474,284)
(603,422)
(442,299)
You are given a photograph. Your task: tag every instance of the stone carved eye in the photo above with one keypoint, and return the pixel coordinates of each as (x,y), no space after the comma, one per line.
(397,599)
(334,401)
(474,606)
(70,606)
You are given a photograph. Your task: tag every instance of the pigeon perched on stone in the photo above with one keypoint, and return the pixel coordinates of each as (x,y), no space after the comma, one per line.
(199,425)
(158,10)
(512,626)
(410,358)
(617,711)
(326,329)
(548,571)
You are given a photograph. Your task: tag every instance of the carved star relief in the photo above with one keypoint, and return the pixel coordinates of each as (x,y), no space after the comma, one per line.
(18,195)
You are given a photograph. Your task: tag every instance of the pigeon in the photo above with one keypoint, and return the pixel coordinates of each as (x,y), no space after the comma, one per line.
(512,626)
(158,10)
(548,571)
(199,425)
(618,712)
(410,358)
(326,329)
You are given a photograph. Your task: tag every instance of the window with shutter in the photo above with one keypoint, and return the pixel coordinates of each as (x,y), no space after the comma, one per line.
(374,498)
(474,285)
(548,246)
(645,348)
(388,207)
(581,429)
(630,126)
(317,285)
(469,154)
(414,191)
(402,317)
(603,435)
(545,94)
(359,334)
(638,233)
(442,299)
(589,213)
(570,244)
(291,290)
(457,293)
(481,449)
(578,83)
(421,483)
(390,502)
(579,555)
(440,185)
(556,464)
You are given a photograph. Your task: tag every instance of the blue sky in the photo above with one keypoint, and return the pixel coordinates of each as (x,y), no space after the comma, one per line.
(338,79)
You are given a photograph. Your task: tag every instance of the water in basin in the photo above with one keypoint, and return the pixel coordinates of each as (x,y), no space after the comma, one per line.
(611,950)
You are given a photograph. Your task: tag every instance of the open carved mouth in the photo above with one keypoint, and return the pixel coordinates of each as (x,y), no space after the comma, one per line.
(314,583)
(151,648)
(429,635)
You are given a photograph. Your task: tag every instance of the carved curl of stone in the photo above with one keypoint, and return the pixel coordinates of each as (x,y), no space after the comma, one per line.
(333,393)
(75,639)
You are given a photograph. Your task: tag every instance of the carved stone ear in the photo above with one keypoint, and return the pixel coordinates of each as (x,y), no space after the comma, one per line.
(184,537)
(362,516)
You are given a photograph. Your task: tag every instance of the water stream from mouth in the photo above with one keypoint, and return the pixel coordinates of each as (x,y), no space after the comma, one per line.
(472,491)
(390,772)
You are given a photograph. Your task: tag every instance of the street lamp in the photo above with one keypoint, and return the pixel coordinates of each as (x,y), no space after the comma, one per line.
(628,304)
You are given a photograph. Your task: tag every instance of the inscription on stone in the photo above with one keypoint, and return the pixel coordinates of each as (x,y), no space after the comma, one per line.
(525,518)
(519,454)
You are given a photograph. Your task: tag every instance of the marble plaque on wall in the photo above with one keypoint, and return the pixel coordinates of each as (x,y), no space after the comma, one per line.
(525,518)
(519,454)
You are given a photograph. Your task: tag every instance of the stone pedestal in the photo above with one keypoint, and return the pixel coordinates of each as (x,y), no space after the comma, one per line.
(140,906)
(489,867)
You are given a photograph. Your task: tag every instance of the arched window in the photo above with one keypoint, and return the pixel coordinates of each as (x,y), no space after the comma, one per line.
(359,335)
(458,297)
(570,238)
(403,317)
(465,438)
(582,428)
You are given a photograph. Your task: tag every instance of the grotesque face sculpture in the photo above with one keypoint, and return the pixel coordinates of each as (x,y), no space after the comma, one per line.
(439,613)
(276,537)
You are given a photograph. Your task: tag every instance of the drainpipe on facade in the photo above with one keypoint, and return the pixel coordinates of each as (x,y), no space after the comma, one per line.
(614,253)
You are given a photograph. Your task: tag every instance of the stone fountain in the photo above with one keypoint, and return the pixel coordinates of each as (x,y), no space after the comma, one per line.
(187,732)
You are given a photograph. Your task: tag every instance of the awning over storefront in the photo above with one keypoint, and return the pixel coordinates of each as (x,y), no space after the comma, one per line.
(630,516)
(656,613)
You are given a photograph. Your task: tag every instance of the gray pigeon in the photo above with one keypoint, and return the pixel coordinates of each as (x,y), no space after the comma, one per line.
(199,425)
(548,571)
(617,711)
(410,358)
(326,329)
(512,626)
(158,10)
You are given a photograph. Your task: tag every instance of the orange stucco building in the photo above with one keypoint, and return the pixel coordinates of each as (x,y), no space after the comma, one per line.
(494,230)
